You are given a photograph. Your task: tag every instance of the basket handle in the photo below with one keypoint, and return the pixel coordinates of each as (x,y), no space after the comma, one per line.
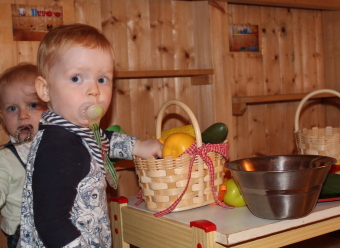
(305,99)
(190,114)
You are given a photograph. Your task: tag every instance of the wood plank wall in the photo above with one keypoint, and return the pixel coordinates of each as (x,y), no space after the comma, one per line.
(331,39)
(299,53)
(158,35)
(290,61)
(170,35)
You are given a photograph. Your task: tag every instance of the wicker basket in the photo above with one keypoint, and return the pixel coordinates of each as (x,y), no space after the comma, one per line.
(163,181)
(317,141)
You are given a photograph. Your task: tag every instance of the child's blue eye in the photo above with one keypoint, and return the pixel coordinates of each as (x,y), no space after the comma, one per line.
(76,79)
(102,80)
(11,108)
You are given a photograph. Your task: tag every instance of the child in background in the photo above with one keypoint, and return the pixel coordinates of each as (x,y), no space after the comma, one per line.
(20,112)
(64,198)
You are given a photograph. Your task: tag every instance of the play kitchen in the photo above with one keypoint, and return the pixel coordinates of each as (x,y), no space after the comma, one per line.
(188,186)
(278,187)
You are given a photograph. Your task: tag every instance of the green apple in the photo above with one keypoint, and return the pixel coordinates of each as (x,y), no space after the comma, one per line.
(233,196)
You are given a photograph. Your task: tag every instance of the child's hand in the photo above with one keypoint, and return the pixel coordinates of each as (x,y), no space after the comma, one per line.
(148,148)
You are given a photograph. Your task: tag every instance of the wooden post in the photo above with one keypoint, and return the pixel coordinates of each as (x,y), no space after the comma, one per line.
(203,234)
(115,208)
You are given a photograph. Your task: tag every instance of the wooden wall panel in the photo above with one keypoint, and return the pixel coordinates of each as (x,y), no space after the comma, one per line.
(286,39)
(167,35)
(331,40)
(158,35)
(85,12)
(291,62)
(222,93)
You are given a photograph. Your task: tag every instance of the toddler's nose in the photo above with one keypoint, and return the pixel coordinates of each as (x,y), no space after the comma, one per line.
(93,90)
(23,115)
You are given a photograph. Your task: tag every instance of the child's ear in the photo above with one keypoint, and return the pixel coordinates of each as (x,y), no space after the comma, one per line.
(41,86)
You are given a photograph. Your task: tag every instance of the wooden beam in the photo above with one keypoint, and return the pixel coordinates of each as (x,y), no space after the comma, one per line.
(163,73)
(201,80)
(240,103)
(305,4)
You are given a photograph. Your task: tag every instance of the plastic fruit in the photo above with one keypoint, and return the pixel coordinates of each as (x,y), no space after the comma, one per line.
(233,196)
(176,144)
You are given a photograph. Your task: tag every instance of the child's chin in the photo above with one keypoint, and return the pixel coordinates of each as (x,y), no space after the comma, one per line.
(83,124)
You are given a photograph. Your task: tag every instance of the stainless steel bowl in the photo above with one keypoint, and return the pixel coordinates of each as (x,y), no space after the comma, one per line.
(281,187)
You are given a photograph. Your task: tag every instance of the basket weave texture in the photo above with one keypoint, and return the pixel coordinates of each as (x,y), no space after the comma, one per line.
(317,141)
(163,181)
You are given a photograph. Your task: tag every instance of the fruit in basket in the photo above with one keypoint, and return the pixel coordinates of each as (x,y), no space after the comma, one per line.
(215,134)
(233,196)
(189,129)
(176,144)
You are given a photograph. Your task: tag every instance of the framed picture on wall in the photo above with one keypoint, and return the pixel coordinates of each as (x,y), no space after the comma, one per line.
(244,38)
(32,22)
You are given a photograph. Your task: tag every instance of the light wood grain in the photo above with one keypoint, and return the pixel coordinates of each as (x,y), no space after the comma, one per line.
(140,233)
(331,30)
(162,73)
(117,225)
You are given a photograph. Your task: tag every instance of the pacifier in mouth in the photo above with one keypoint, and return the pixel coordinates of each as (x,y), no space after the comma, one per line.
(94,113)
(19,131)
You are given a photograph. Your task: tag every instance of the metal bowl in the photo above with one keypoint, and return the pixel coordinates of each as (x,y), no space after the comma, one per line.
(281,187)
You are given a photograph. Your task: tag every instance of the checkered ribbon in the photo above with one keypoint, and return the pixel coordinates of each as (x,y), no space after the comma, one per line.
(202,151)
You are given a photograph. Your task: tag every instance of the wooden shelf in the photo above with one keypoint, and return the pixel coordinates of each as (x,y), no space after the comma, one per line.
(198,76)
(245,34)
(240,103)
(323,5)
(163,73)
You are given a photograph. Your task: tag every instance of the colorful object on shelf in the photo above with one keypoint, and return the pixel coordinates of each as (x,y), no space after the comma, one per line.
(22,11)
(41,13)
(34,12)
(253,48)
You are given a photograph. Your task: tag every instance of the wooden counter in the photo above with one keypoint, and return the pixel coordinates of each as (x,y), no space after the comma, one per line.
(223,227)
